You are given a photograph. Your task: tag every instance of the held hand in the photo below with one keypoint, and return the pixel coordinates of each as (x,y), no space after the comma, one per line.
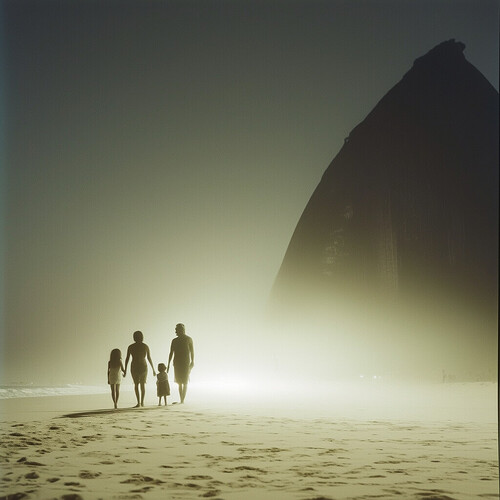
(154,373)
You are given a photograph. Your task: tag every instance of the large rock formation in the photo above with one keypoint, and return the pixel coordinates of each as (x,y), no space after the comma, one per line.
(408,209)
(411,200)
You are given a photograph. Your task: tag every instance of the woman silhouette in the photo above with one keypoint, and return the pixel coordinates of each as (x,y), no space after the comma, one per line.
(139,368)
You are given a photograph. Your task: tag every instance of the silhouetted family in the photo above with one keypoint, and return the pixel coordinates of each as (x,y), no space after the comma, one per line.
(182,352)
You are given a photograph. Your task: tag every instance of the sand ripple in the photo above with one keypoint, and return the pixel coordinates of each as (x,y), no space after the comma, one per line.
(181,453)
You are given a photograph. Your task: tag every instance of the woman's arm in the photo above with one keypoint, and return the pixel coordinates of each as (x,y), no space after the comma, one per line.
(148,354)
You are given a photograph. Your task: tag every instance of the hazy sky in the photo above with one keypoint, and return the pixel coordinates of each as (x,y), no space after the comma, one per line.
(158,155)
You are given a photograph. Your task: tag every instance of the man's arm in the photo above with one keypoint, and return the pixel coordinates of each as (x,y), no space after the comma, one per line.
(191,351)
(126,360)
(170,355)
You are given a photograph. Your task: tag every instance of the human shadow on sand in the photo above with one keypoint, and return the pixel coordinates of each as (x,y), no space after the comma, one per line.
(108,411)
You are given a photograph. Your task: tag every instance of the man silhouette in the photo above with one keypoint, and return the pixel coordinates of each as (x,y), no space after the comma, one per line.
(182,351)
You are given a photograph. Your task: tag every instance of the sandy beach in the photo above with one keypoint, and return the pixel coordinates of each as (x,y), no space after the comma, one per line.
(73,447)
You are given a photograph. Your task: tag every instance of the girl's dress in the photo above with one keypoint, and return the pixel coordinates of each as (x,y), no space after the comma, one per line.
(162,385)
(114,375)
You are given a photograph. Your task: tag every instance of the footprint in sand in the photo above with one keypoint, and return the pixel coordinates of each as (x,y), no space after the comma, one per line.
(93,437)
(25,461)
(210,493)
(244,468)
(333,451)
(246,458)
(215,483)
(145,489)
(86,474)
(72,483)
(434,495)
(193,486)
(138,479)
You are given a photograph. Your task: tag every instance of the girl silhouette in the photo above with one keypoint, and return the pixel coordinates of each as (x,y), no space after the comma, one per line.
(115,370)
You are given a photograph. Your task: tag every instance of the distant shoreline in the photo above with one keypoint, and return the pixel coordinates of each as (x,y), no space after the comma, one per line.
(466,402)
(33,391)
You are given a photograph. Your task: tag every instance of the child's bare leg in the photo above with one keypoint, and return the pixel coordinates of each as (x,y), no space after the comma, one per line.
(112,387)
(159,401)
(117,394)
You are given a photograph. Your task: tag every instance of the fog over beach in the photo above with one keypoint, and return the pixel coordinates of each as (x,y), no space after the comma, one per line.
(158,157)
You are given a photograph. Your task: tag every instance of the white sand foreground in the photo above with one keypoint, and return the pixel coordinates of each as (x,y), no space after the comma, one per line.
(72,448)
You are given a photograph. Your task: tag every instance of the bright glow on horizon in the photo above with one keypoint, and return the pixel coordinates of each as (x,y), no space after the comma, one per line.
(168,193)
(372,399)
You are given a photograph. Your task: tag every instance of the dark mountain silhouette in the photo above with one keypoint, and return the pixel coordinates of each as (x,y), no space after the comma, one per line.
(410,203)
(401,234)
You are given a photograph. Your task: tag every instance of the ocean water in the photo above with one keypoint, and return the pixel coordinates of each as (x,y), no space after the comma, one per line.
(31,391)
